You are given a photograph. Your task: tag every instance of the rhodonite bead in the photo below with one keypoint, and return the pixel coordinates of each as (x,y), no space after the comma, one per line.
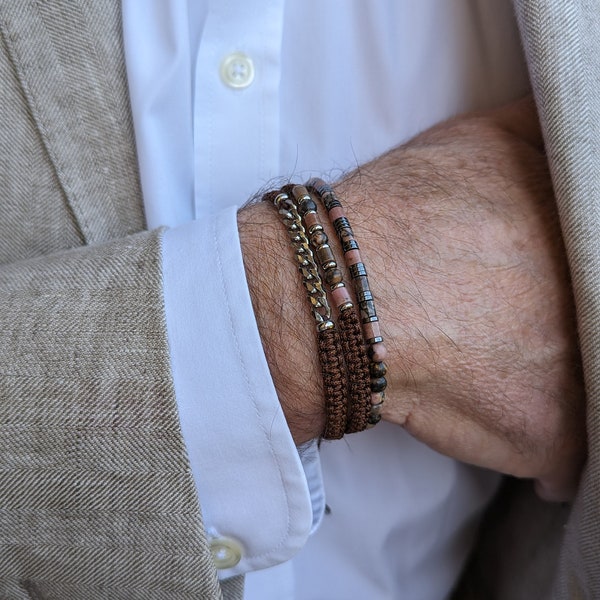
(377,352)
(340,296)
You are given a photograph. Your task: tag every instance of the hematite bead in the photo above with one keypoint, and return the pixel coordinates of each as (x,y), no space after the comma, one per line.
(349,245)
(379,384)
(331,202)
(358,270)
(364,296)
(342,224)
(378,369)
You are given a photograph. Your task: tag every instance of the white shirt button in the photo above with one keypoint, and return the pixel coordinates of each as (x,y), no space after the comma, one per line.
(226,552)
(237,70)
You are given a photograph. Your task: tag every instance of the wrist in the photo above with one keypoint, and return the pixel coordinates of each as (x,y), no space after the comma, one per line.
(287,332)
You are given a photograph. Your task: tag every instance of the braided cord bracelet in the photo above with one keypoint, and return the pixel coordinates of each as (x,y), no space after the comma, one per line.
(328,339)
(355,356)
(370,322)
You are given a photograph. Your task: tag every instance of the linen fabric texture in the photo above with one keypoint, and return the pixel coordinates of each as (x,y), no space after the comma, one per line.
(87,401)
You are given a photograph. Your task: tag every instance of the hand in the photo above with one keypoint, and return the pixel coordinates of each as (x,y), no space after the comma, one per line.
(461,238)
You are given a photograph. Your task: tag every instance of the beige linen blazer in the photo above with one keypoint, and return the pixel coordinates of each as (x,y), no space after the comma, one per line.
(96,495)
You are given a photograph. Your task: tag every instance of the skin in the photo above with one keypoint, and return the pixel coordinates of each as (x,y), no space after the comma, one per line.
(459,232)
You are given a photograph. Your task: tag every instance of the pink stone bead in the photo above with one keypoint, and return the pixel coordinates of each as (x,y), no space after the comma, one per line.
(377,397)
(372,330)
(310,219)
(379,352)
(352,257)
(340,296)
(336,212)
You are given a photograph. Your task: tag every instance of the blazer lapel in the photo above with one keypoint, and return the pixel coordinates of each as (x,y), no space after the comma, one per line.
(69,57)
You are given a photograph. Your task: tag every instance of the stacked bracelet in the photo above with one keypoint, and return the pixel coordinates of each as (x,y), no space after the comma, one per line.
(357,362)
(358,272)
(352,359)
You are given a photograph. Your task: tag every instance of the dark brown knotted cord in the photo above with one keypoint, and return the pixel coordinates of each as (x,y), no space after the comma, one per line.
(353,347)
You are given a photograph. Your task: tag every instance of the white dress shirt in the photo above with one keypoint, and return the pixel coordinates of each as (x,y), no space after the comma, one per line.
(226,96)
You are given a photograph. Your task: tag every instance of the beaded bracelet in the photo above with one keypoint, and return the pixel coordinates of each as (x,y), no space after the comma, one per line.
(370,322)
(355,356)
(328,339)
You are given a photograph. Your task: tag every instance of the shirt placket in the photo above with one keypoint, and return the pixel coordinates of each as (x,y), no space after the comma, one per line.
(236,102)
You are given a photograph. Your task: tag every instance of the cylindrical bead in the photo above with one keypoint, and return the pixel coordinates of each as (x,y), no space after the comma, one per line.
(358,270)
(371,330)
(330,201)
(299,192)
(311,219)
(325,254)
(340,295)
(364,295)
(306,205)
(361,284)
(335,213)
(341,224)
(352,257)
(367,311)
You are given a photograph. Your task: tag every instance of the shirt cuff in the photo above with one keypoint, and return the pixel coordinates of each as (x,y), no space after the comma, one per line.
(250,480)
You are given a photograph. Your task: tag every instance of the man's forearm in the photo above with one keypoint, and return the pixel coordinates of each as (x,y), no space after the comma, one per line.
(466,260)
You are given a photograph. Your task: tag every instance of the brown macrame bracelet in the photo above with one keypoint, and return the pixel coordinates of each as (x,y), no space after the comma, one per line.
(355,356)
(370,322)
(328,339)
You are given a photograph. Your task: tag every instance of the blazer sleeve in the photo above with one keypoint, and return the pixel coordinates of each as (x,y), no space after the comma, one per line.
(97,498)
(96,494)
